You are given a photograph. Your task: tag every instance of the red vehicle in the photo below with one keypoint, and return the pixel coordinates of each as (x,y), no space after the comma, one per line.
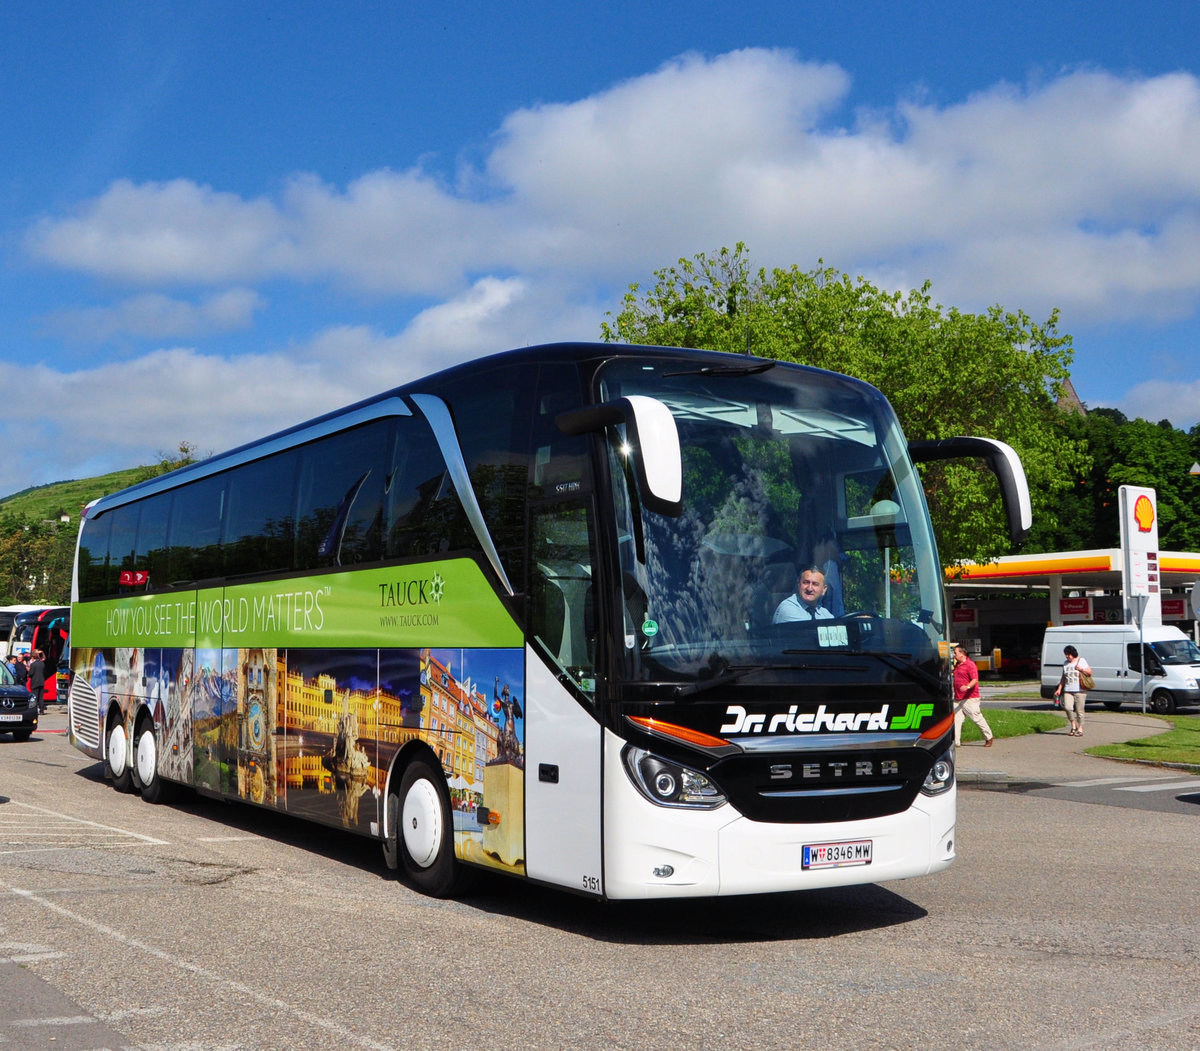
(47,630)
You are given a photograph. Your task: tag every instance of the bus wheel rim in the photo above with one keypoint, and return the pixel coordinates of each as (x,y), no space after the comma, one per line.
(118,751)
(146,757)
(421,823)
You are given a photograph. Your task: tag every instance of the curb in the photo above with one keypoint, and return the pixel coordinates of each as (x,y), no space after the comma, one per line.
(1187,768)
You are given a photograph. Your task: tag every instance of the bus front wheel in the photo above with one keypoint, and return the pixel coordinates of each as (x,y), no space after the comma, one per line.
(425,836)
(117,758)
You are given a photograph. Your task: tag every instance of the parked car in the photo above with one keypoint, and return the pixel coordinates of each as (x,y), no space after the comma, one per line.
(18,709)
(1114,653)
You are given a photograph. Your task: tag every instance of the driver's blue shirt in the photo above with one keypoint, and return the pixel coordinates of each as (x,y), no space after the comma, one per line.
(791,608)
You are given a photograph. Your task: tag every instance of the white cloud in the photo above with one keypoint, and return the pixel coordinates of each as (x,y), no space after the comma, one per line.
(157,316)
(166,233)
(121,414)
(1082,192)
(1170,398)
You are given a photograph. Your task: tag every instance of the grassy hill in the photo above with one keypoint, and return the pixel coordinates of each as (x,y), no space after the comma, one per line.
(67,498)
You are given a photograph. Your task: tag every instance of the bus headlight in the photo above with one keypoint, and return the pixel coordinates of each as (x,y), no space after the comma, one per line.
(668,783)
(941,777)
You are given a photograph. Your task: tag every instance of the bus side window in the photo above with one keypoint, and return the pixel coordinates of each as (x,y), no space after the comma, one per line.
(424,513)
(151,554)
(93,556)
(257,539)
(339,513)
(195,530)
(562,599)
(121,543)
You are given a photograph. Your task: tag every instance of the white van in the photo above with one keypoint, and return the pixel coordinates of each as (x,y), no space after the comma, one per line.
(1115,657)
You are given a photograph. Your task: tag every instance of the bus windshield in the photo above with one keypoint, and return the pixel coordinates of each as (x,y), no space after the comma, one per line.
(787,473)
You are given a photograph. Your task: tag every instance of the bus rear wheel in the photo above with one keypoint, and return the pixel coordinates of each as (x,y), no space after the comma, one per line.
(117,758)
(145,763)
(425,836)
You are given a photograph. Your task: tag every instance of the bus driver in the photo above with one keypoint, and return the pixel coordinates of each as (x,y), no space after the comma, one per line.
(805,604)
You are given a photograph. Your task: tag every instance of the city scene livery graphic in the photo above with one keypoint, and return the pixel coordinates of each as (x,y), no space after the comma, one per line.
(315,732)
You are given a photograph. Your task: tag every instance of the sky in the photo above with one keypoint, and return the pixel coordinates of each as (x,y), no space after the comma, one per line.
(220,219)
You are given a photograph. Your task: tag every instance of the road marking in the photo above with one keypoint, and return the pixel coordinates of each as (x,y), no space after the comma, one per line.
(1092,783)
(70,825)
(30,1023)
(27,952)
(131,1012)
(1158,786)
(345,1036)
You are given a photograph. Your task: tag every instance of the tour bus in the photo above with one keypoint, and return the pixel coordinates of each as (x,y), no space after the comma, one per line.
(521,615)
(8,614)
(45,630)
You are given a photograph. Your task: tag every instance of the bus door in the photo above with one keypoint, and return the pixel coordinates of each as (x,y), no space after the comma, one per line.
(562,727)
(50,634)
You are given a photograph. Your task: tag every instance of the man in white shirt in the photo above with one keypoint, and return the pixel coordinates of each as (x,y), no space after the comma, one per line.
(805,604)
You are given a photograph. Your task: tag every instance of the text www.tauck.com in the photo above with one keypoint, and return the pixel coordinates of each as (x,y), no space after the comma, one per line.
(409,620)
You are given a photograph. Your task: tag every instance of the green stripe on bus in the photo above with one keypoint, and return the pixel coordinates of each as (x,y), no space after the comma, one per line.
(446,603)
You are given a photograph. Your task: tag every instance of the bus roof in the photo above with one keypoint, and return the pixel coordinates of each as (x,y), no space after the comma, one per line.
(390,403)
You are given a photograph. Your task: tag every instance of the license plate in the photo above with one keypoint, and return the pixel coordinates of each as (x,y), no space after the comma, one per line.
(836,855)
(10,717)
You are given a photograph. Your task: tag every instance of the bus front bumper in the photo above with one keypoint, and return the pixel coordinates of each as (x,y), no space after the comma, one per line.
(653,851)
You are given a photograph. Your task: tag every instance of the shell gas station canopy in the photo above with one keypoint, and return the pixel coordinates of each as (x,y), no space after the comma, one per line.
(1154,584)
(1060,573)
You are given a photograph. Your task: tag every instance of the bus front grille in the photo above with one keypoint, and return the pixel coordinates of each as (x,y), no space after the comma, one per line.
(85,726)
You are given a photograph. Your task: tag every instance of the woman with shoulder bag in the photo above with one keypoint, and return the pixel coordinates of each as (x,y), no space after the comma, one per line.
(1073,686)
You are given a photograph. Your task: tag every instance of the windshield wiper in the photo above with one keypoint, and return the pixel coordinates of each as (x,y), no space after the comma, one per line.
(688,689)
(900,661)
(724,370)
(897,661)
(734,673)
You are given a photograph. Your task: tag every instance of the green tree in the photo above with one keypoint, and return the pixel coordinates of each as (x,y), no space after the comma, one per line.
(185,454)
(1126,452)
(37,553)
(946,372)
(35,561)
(1159,456)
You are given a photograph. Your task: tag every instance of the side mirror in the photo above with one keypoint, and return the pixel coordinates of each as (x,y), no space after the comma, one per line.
(1004,462)
(653,445)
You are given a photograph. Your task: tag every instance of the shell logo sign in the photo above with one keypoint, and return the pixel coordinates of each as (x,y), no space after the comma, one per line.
(1143,513)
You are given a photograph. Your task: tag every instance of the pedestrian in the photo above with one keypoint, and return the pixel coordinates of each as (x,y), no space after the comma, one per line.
(37,679)
(1070,688)
(966,697)
(20,672)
